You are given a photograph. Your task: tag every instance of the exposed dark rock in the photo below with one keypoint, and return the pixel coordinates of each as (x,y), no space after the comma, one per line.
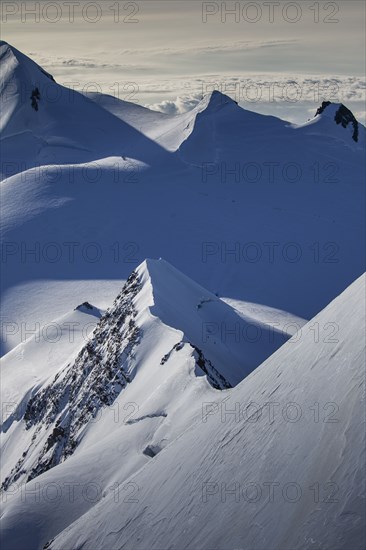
(213,376)
(151,450)
(35,98)
(343,116)
(322,108)
(85,305)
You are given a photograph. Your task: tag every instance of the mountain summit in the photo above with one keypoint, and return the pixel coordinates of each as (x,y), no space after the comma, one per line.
(214,101)
(341,115)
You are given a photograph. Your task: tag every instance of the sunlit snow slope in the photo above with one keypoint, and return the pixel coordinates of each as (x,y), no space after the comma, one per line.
(39,378)
(277,462)
(295,479)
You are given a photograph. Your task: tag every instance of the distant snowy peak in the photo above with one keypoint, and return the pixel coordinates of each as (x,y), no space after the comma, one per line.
(18,68)
(341,115)
(215,101)
(9,52)
(24,87)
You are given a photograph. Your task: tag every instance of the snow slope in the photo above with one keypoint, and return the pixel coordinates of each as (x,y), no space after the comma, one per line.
(288,442)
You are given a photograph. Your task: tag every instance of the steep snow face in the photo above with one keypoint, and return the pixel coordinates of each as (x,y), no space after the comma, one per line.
(20,79)
(52,415)
(27,368)
(43,350)
(170,131)
(290,476)
(223,131)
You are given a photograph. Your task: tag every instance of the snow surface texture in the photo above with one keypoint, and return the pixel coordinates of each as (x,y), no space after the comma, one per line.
(174,413)
(278,460)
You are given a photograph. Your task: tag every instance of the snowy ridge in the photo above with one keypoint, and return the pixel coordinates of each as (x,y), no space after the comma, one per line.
(55,414)
(19,78)
(342,116)
(337,122)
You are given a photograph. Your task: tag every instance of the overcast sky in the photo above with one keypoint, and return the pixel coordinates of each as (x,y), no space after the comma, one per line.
(274,57)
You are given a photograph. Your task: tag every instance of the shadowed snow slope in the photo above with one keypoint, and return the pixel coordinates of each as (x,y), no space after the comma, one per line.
(249,206)
(235,343)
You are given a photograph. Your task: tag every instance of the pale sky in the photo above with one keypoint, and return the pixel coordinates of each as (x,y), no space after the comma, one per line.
(278,57)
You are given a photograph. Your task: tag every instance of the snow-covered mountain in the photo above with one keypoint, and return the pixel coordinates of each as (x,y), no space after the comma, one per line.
(52,404)
(94,185)
(44,123)
(148,415)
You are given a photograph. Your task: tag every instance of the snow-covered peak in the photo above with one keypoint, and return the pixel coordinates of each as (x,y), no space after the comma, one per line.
(52,124)
(160,322)
(7,50)
(337,127)
(18,69)
(233,454)
(215,101)
(24,85)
